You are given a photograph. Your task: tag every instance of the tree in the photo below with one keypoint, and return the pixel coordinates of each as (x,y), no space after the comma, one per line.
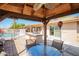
(17,26)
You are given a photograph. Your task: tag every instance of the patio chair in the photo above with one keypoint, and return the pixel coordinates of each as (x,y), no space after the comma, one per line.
(29,45)
(1,46)
(58,44)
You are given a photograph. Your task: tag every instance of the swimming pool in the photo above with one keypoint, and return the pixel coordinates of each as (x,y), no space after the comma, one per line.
(5,35)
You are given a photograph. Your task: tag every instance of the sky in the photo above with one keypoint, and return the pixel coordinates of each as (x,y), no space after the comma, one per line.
(6,23)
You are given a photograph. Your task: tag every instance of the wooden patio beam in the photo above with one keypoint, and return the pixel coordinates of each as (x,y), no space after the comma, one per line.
(59,10)
(8,7)
(4,16)
(18,10)
(3,5)
(17,15)
(64,14)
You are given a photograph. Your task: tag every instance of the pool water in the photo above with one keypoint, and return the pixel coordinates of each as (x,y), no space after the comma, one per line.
(7,35)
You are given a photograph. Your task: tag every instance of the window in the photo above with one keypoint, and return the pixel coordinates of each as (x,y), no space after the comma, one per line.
(55,31)
(51,30)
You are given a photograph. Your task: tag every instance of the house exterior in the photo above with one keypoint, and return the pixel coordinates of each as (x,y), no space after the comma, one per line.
(69,31)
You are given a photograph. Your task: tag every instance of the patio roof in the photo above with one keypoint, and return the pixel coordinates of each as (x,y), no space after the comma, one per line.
(43,14)
(26,11)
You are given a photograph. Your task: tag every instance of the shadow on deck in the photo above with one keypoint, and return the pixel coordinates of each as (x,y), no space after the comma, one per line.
(10,48)
(69,50)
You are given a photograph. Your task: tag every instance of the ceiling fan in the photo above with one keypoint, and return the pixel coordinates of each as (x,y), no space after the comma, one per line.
(37,6)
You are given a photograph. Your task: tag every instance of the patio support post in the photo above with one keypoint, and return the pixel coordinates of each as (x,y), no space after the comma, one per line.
(45,37)
(30,28)
(14,20)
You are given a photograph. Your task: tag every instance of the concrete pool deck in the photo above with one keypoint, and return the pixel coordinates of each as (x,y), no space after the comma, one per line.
(67,51)
(18,48)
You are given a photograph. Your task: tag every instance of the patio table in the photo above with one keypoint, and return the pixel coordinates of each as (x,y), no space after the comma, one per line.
(38,50)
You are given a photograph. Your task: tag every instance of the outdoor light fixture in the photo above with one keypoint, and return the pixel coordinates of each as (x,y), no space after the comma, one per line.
(60,23)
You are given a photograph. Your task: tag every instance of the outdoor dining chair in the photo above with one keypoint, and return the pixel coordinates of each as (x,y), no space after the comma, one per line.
(58,44)
(1,46)
(29,45)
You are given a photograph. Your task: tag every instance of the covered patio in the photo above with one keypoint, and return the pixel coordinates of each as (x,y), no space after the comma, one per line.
(38,12)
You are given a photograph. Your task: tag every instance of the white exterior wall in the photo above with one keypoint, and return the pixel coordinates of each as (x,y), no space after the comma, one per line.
(42,30)
(69,33)
(48,30)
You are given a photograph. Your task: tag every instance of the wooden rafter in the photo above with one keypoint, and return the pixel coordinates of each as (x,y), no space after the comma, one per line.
(17,10)
(59,10)
(27,11)
(17,15)
(4,16)
(3,5)
(64,14)
(11,8)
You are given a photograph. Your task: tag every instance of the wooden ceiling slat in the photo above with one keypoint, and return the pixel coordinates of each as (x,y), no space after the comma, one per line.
(61,9)
(2,5)
(64,14)
(17,15)
(27,10)
(39,15)
(4,16)
(11,8)
(75,5)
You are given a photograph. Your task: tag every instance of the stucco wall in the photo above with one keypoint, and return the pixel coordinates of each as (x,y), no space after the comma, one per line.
(69,33)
